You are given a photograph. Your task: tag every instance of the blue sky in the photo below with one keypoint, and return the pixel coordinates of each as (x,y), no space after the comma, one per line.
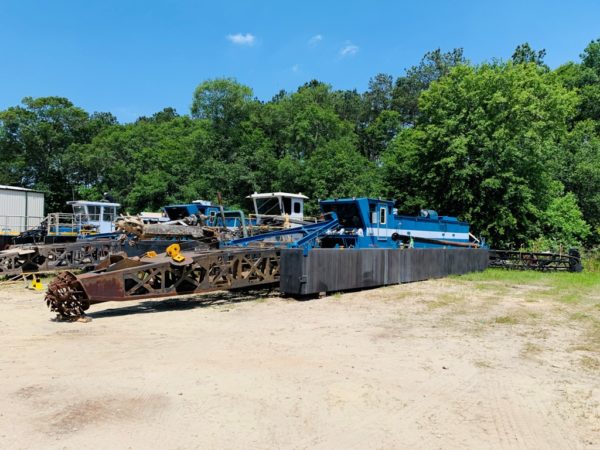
(133,58)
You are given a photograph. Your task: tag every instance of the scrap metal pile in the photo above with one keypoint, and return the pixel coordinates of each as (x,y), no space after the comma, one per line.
(133,237)
(189,227)
(545,262)
(241,263)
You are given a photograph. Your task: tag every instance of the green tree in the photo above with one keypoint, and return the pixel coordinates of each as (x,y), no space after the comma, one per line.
(301,122)
(162,116)
(585,79)
(563,224)
(590,57)
(524,54)
(349,106)
(223,101)
(487,136)
(225,104)
(379,133)
(433,66)
(401,171)
(378,97)
(33,141)
(577,166)
(337,169)
(144,165)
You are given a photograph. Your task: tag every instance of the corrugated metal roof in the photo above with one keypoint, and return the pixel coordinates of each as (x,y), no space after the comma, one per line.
(98,203)
(16,188)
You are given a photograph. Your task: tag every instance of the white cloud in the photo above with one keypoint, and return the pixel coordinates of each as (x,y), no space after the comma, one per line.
(348,50)
(242,39)
(315,39)
(295,68)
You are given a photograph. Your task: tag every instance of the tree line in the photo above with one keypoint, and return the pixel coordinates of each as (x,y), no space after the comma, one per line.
(512,147)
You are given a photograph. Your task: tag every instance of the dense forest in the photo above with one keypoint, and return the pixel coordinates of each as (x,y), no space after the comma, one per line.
(512,146)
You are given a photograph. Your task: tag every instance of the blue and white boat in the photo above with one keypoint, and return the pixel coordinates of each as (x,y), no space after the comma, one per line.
(373,223)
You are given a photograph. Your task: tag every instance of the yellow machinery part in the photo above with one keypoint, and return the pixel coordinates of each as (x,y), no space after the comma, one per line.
(174,251)
(35,284)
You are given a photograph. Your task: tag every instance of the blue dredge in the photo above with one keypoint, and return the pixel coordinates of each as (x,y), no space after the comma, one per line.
(373,223)
(368,223)
(363,243)
(358,243)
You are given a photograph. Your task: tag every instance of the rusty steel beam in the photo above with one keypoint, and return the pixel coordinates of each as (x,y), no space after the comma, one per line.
(160,277)
(54,257)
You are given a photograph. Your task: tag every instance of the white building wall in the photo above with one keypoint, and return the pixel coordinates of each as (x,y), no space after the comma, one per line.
(19,210)
(35,209)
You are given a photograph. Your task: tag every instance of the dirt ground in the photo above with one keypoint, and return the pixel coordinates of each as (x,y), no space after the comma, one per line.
(451,363)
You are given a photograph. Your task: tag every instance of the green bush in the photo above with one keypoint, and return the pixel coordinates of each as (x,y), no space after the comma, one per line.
(591,260)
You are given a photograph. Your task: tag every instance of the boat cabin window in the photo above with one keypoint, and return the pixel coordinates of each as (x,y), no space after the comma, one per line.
(382,215)
(268,206)
(287,205)
(176,212)
(79,210)
(348,214)
(109,214)
(94,213)
(373,213)
(297,208)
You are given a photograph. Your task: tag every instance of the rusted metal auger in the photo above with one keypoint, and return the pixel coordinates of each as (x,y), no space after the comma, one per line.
(65,299)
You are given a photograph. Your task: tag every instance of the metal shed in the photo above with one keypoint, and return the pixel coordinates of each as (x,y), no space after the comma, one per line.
(20,209)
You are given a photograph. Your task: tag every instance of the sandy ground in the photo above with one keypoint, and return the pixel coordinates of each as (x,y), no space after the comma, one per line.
(438,364)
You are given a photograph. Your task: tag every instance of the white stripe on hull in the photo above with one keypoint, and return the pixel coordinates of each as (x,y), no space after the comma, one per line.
(447,235)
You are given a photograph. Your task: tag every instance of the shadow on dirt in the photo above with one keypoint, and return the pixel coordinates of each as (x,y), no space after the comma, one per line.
(215,299)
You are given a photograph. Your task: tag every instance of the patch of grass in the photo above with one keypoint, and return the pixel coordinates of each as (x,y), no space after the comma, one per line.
(571,297)
(568,279)
(593,336)
(556,279)
(506,320)
(590,363)
(483,364)
(579,316)
(493,288)
(445,300)
(530,350)
(509,276)
(590,338)
(582,348)
(591,260)
(566,287)
(573,287)
(538,333)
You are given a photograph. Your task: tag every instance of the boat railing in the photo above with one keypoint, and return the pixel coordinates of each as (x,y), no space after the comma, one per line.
(68,224)
(254,218)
